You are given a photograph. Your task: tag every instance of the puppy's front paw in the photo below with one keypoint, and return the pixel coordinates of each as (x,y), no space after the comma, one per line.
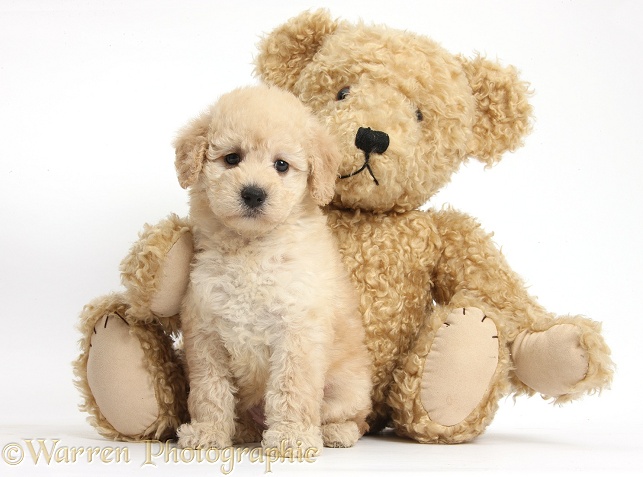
(203,435)
(287,439)
(340,434)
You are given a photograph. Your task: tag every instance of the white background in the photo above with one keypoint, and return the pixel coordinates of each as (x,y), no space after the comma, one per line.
(92,93)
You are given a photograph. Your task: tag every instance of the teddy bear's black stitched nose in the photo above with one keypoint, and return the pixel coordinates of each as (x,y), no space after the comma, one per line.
(253,196)
(371,141)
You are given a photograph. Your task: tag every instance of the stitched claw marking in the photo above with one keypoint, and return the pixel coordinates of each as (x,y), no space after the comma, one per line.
(124,320)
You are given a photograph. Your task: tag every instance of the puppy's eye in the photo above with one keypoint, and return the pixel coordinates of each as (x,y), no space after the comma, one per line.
(281,165)
(232,159)
(343,93)
(419,115)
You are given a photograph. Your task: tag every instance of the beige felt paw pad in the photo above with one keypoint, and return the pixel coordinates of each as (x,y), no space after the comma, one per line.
(551,362)
(173,277)
(120,384)
(459,367)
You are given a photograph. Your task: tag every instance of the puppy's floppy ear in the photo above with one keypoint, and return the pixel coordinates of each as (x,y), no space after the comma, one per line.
(190,146)
(324,160)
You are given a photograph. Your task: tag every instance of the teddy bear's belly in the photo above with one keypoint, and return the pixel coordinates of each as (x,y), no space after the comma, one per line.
(390,259)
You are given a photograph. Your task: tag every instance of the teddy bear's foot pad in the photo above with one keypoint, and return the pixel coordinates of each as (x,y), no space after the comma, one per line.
(120,384)
(459,367)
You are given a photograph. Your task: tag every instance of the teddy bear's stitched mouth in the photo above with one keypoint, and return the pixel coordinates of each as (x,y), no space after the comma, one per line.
(366,166)
(369,141)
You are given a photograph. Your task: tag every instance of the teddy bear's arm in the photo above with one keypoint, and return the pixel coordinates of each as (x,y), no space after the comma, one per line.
(471,267)
(156,271)
(559,356)
(129,373)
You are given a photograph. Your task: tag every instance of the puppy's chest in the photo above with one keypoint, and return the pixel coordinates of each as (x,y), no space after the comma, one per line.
(245,294)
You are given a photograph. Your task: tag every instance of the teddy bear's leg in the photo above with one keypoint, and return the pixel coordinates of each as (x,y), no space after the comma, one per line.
(563,359)
(448,388)
(131,378)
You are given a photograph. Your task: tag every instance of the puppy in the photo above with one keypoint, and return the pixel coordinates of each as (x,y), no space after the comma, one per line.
(273,340)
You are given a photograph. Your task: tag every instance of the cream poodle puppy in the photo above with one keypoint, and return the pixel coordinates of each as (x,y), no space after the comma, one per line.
(273,339)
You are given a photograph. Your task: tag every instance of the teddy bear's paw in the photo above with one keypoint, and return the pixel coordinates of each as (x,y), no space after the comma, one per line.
(157,269)
(174,275)
(118,378)
(202,435)
(340,434)
(283,440)
(565,361)
(460,366)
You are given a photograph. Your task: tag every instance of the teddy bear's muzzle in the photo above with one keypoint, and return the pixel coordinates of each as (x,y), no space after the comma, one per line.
(370,142)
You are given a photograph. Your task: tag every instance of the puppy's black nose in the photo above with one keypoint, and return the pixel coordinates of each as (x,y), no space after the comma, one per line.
(253,196)
(371,141)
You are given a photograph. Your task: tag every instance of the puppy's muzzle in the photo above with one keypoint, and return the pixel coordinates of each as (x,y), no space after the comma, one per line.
(253,198)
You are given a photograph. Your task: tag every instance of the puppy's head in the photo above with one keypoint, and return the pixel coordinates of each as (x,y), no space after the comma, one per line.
(254,157)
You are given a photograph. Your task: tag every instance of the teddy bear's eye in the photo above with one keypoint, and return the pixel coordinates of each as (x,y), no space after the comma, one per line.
(419,115)
(343,93)
(232,159)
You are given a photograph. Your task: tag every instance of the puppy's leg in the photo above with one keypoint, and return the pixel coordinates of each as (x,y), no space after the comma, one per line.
(294,394)
(348,384)
(211,401)
(347,399)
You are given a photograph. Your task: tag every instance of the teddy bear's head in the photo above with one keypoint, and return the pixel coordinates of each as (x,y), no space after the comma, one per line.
(406,113)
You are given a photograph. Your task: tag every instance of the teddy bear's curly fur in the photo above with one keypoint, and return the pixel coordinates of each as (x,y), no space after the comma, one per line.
(450,327)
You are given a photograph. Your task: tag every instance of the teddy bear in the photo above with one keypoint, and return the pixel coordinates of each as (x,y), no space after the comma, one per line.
(449,325)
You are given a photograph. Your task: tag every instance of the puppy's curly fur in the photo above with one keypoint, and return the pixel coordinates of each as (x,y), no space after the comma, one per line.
(270,321)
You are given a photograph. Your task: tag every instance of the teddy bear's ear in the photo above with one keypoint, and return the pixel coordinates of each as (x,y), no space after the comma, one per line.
(324,160)
(285,51)
(503,111)
(190,147)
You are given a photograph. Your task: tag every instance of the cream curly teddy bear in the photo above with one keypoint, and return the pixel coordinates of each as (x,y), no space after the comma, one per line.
(450,327)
